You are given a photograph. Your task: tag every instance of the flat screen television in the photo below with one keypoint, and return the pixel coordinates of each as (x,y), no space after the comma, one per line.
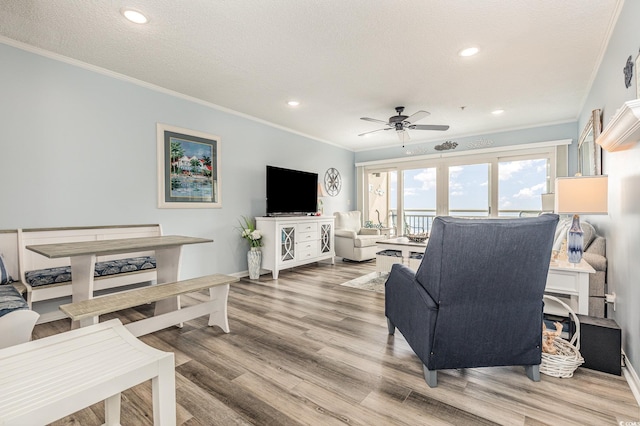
(291,192)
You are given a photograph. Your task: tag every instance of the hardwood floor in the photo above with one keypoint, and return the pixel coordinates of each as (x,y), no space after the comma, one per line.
(304,350)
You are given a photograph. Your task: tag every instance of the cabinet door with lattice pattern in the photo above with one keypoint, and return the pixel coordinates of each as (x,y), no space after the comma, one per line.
(287,243)
(325,238)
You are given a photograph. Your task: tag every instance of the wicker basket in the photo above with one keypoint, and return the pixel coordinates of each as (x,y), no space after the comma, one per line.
(568,358)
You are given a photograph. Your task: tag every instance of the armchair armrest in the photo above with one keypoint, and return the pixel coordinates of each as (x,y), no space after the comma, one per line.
(409,307)
(369,231)
(595,256)
(402,276)
(597,262)
(345,233)
(597,246)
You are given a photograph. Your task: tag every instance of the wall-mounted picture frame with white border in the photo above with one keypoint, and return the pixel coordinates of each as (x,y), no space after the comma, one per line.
(188,168)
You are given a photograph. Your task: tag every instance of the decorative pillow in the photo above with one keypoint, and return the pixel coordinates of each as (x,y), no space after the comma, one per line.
(4,274)
(11,300)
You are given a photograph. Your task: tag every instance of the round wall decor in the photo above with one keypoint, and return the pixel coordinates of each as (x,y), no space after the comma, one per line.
(332,182)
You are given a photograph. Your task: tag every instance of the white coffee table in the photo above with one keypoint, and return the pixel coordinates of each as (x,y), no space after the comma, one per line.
(404,245)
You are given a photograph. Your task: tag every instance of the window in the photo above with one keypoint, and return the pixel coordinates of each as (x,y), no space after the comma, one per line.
(480,183)
(520,186)
(469,190)
(419,200)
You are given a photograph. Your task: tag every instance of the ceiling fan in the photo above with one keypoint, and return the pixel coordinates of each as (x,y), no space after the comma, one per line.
(400,123)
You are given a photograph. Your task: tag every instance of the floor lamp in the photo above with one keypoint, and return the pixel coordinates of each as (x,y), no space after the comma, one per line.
(580,195)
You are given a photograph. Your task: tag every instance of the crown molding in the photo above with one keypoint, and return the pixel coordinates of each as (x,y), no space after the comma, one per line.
(623,129)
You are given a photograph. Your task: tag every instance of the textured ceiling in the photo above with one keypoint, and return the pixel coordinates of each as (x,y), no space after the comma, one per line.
(342,59)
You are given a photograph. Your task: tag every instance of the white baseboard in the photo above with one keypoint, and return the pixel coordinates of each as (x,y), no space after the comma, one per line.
(632,378)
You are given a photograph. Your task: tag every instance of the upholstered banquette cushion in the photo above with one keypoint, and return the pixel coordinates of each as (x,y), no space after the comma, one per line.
(63,274)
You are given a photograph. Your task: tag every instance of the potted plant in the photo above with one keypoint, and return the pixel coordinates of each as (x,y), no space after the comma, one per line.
(249,232)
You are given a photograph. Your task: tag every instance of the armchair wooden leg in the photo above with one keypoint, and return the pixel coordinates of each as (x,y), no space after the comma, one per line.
(430,376)
(533,372)
(391,327)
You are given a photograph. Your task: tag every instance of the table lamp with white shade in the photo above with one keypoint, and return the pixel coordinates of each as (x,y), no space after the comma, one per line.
(580,195)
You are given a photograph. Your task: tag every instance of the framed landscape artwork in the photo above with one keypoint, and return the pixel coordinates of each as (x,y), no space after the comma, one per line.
(188,168)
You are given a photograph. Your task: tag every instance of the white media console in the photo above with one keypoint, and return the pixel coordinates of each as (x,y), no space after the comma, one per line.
(295,240)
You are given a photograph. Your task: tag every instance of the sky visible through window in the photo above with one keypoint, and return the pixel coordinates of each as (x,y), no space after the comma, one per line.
(520,185)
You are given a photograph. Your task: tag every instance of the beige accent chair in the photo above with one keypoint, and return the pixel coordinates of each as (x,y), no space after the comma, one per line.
(352,241)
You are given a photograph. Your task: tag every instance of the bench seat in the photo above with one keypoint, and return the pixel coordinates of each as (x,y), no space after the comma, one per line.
(167,313)
(48,279)
(62,274)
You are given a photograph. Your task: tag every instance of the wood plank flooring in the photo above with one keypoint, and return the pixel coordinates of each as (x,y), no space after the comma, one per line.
(304,350)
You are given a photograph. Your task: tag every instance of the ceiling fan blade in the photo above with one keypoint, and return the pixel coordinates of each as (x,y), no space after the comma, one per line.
(373,119)
(373,131)
(403,136)
(417,116)
(428,127)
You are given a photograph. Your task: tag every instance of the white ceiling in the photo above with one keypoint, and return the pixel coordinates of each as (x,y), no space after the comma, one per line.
(342,59)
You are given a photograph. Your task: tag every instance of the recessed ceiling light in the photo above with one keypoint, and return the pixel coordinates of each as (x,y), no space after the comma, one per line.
(469,51)
(293,103)
(134,16)
(497,112)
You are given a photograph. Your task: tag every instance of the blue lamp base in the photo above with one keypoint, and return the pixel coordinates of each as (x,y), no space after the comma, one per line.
(575,241)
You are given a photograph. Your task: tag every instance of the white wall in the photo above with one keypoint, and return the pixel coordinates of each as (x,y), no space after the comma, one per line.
(78,147)
(622,226)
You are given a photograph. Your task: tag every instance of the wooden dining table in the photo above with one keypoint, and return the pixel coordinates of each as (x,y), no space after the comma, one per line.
(83,254)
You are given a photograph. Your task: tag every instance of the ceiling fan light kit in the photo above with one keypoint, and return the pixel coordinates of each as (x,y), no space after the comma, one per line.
(400,123)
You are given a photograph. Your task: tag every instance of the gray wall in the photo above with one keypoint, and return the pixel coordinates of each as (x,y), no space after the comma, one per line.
(622,225)
(78,147)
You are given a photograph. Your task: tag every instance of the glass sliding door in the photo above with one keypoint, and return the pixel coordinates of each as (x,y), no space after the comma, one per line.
(418,200)
(469,190)
(382,199)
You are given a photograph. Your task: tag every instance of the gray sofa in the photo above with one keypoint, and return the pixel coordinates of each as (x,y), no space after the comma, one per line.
(594,253)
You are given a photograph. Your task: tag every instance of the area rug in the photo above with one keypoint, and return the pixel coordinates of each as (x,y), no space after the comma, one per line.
(370,282)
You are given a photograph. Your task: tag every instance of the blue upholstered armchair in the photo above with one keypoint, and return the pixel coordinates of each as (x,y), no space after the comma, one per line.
(476,299)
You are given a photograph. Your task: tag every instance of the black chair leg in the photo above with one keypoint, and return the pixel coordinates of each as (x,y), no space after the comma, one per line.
(391,327)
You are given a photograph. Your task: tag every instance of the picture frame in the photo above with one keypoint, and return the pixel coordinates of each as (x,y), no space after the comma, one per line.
(188,168)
